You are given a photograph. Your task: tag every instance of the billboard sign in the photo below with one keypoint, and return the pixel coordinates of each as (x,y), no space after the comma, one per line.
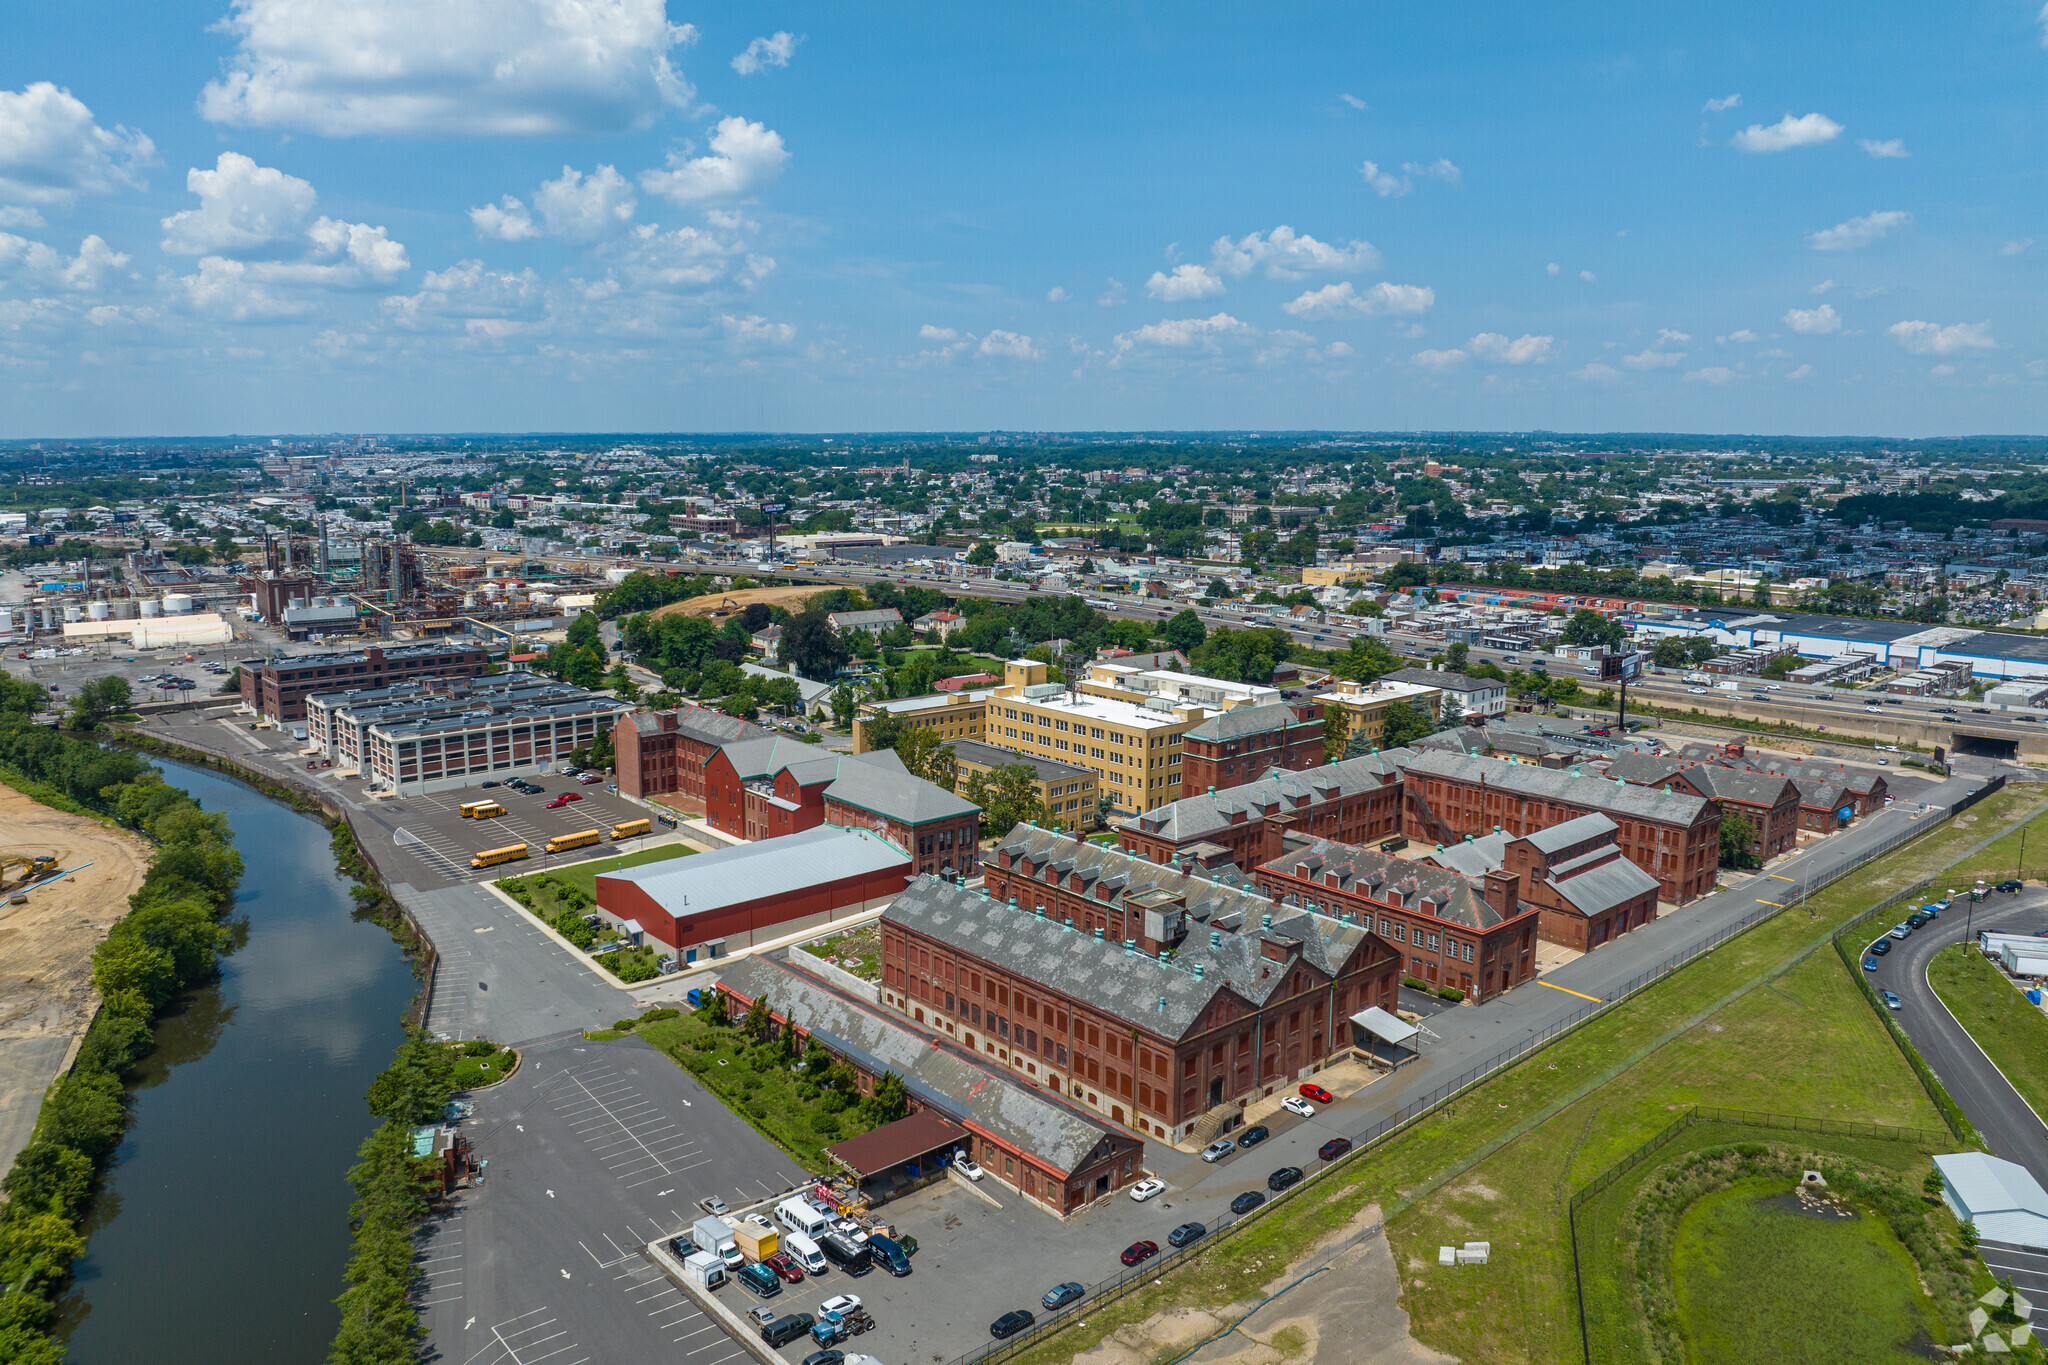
(1621,667)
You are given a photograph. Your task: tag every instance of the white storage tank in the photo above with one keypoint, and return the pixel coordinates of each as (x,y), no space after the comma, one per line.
(152,607)
(98,611)
(177,603)
(73,614)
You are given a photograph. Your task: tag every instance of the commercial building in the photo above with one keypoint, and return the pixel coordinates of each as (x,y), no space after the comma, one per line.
(888,618)
(766,788)
(952,715)
(1475,698)
(660,755)
(1573,875)
(462,746)
(1363,706)
(1230,749)
(1066,790)
(1039,1145)
(278,686)
(1220,998)
(1674,837)
(1357,801)
(338,723)
(707,905)
(2001,1199)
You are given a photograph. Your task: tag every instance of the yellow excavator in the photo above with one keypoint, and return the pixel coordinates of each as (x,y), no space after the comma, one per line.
(31,865)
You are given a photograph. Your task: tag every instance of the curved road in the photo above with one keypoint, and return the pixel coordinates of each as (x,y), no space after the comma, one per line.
(2009,1127)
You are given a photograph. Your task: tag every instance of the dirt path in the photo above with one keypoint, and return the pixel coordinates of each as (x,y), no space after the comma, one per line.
(46,994)
(713,604)
(1347,1312)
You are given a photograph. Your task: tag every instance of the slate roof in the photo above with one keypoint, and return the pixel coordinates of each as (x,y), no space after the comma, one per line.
(1743,788)
(993,756)
(1240,721)
(1459,739)
(703,723)
(875,781)
(1196,817)
(1434,891)
(1647,770)
(866,620)
(1577,831)
(957,1088)
(1599,889)
(1163,998)
(1558,785)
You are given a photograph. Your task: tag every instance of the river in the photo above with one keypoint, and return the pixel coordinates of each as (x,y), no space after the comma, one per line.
(222,1232)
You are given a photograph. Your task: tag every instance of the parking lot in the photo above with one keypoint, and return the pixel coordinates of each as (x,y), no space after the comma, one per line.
(432,832)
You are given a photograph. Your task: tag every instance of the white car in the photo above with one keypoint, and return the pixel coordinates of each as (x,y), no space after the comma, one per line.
(1774,687)
(757,1220)
(1697,691)
(1147,1189)
(967,1168)
(1295,1104)
(1872,707)
(841,1304)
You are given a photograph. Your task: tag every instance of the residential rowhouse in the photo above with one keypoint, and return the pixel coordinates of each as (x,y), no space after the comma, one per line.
(1214,998)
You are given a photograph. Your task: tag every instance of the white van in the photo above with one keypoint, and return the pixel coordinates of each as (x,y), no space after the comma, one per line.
(797,1216)
(805,1253)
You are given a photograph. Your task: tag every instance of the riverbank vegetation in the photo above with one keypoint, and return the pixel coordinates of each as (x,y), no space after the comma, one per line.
(170,941)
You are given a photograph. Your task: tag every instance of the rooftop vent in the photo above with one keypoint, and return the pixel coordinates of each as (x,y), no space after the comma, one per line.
(1215,939)
(1098,934)
(1265,921)
(1198,971)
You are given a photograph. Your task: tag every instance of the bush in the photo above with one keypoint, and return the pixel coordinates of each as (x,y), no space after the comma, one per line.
(655,1016)
(1415,983)
(479,1048)
(1450,993)
(625,1025)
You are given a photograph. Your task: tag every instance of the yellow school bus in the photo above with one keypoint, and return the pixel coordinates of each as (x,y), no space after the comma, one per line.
(631,829)
(562,843)
(481,810)
(492,857)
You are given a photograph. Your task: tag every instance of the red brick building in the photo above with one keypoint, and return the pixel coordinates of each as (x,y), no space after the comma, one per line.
(1573,875)
(1357,801)
(1476,936)
(1232,747)
(1214,997)
(1675,837)
(763,789)
(277,687)
(703,906)
(662,753)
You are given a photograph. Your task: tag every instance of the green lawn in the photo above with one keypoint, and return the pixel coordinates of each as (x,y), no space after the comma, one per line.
(858,952)
(585,874)
(2013,1033)
(1500,1164)
(472,1073)
(1758,1281)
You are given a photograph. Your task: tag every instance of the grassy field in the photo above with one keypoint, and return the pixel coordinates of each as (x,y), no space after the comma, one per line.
(1500,1163)
(2013,1033)
(473,1073)
(1759,1281)
(585,874)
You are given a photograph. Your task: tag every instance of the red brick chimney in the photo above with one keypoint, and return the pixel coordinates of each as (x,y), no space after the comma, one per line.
(1501,889)
(1273,837)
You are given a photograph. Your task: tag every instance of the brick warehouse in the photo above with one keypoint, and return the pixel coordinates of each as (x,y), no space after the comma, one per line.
(277,687)
(1675,838)
(662,753)
(1357,801)
(1231,749)
(1216,1001)
(1572,874)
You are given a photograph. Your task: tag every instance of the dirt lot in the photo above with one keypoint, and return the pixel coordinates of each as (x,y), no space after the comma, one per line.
(46,994)
(713,604)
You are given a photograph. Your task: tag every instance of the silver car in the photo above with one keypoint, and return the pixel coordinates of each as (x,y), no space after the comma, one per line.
(1217,1150)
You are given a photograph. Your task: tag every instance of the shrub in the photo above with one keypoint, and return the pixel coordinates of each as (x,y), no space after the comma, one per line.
(1415,983)
(655,1016)
(1450,993)
(479,1048)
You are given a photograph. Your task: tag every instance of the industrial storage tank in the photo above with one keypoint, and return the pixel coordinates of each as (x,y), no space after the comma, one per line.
(97,611)
(151,607)
(177,603)
(72,612)
(127,609)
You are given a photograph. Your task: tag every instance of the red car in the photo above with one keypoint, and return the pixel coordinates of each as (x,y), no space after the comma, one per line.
(782,1265)
(1318,1094)
(1139,1251)
(564,799)
(589,778)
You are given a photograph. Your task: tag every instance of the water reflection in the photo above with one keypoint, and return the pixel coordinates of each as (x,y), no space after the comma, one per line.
(223,1229)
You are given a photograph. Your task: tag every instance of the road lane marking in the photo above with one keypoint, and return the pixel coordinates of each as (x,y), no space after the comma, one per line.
(1569,991)
(1781,876)
(1773,904)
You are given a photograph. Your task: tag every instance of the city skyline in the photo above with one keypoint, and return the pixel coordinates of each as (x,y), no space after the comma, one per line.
(620,217)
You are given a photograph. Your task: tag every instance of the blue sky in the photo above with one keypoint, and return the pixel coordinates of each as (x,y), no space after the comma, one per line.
(370,215)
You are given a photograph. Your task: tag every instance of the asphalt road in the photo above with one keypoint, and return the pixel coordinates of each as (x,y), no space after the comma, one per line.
(2010,1128)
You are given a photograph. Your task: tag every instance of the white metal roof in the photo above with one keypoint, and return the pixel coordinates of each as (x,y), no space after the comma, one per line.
(686,887)
(2002,1198)
(1380,1024)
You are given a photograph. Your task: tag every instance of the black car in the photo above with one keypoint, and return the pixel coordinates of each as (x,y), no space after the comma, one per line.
(2009,887)
(1060,1295)
(760,1281)
(1254,1136)
(1247,1201)
(488,785)
(1881,947)
(1009,1324)
(1333,1149)
(825,1358)
(683,1247)
(1916,919)
(1185,1233)
(1283,1178)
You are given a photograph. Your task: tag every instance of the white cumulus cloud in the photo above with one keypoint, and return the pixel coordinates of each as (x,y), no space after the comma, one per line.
(775,50)
(1596,373)
(1807,130)
(1180,334)
(1858,232)
(755,330)
(1353,101)
(1552,268)
(1001,343)
(243,207)
(1722,105)
(1713,374)
(449,68)
(1888,150)
(585,208)
(43,267)
(940,334)
(1439,362)
(1803,372)
(1439,169)
(2016,246)
(1288,255)
(1931,338)
(505,221)
(52,151)
(1385,184)
(1382,300)
(1186,283)
(1650,358)
(745,157)
(1522,350)
(470,297)
(1814,321)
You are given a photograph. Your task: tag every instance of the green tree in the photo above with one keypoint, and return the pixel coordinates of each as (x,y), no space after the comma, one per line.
(811,646)
(1184,631)
(1242,655)
(97,700)
(1404,724)
(925,755)
(1365,659)
(1405,575)
(1668,652)
(890,1100)
(982,555)
(48,1177)
(414,1089)
(844,704)
(1738,838)
(1008,796)
(1456,657)
(1589,627)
